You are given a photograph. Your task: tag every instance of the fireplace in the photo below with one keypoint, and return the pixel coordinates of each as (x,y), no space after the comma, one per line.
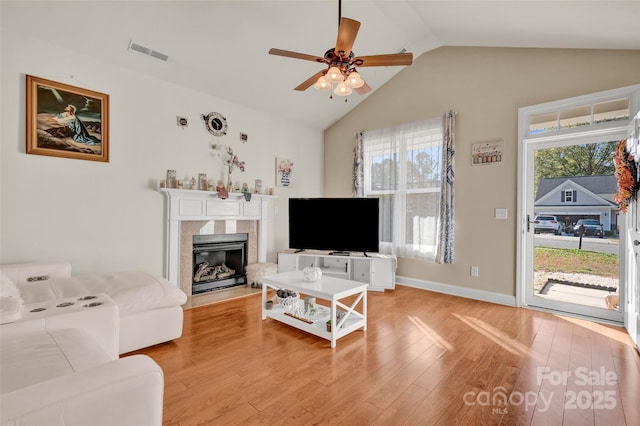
(191,213)
(219,262)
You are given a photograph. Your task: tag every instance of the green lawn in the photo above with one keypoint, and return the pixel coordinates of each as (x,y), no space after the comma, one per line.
(576,261)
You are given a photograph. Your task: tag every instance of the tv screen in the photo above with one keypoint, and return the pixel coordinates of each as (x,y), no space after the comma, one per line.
(336,224)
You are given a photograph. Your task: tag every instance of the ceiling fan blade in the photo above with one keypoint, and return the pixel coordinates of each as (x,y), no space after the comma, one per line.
(392,59)
(363,90)
(295,55)
(347,32)
(310,81)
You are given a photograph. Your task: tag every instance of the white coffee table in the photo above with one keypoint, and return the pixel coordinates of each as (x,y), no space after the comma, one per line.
(327,288)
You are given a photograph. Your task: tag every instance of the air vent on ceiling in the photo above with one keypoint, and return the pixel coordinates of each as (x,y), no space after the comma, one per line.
(147,51)
(159,55)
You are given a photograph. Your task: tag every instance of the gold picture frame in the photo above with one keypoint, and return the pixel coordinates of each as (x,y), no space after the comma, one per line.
(66,121)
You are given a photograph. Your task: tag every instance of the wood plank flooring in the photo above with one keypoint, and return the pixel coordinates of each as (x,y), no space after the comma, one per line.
(425,359)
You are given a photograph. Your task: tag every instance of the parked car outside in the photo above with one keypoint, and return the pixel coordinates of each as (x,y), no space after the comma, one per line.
(546,223)
(592,227)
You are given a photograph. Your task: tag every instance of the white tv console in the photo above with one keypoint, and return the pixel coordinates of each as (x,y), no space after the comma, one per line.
(378,270)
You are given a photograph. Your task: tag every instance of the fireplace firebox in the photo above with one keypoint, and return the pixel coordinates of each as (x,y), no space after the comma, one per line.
(219,261)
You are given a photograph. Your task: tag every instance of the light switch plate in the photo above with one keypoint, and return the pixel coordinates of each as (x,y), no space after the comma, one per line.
(501,213)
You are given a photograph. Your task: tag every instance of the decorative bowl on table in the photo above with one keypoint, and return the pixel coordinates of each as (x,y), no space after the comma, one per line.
(287,298)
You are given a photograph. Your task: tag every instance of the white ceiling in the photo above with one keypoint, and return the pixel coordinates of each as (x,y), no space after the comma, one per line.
(220,47)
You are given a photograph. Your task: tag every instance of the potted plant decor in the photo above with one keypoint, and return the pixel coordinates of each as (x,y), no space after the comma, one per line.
(329,326)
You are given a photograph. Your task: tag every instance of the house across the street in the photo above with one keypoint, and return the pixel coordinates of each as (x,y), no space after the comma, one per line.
(579,197)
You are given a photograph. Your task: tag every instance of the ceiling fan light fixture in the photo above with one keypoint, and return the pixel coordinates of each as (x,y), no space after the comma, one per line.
(334,75)
(354,80)
(342,62)
(342,89)
(322,84)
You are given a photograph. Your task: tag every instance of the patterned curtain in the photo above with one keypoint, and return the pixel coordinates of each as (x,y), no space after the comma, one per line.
(358,164)
(444,248)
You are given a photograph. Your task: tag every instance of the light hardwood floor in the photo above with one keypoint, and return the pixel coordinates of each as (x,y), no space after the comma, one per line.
(425,359)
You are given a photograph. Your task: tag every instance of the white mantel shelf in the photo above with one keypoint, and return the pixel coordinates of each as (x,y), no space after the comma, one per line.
(188,205)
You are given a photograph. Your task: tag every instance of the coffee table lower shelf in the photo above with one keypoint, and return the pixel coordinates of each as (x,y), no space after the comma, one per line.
(331,289)
(317,328)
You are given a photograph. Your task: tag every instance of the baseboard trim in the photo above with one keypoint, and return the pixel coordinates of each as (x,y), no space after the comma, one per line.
(454,290)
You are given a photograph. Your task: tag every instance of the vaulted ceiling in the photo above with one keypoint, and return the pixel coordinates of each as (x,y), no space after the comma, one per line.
(221,47)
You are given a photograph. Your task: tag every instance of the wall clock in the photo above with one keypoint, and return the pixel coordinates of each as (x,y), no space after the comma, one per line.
(216,123)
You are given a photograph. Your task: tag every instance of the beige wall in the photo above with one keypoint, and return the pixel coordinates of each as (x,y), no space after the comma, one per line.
(486,86)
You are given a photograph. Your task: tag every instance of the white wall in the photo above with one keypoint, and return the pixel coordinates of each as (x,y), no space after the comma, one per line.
(109,216)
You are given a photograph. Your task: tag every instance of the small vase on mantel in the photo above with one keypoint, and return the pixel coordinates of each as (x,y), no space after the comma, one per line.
(229,184)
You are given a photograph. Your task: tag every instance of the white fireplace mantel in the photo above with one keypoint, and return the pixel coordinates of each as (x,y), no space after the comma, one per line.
(189,205)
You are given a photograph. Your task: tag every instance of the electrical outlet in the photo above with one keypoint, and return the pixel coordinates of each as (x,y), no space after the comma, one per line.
(475,271)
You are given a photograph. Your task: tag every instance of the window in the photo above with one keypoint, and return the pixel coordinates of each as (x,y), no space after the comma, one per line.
(569,196)
(402,167)
(580,115)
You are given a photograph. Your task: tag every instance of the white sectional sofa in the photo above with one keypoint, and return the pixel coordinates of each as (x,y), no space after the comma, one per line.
(60,365)
(149,307)
(63,377)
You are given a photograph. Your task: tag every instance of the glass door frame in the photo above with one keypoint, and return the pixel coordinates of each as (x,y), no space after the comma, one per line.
(632,252)
(530,298)
(527,143)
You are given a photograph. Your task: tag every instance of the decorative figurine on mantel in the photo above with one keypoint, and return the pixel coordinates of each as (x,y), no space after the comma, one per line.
(245,191)
(222,192)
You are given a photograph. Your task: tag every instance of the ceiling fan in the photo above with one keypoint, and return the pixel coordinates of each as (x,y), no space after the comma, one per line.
(341,62)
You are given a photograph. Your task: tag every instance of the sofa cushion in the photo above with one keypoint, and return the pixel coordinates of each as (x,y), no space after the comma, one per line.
(35,271)
(123,392)
(132,291)
(31,358)
(10,309)
(7,286)
(10,300)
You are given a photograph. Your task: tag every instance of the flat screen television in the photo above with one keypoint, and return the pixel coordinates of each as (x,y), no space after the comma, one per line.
(341,225)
